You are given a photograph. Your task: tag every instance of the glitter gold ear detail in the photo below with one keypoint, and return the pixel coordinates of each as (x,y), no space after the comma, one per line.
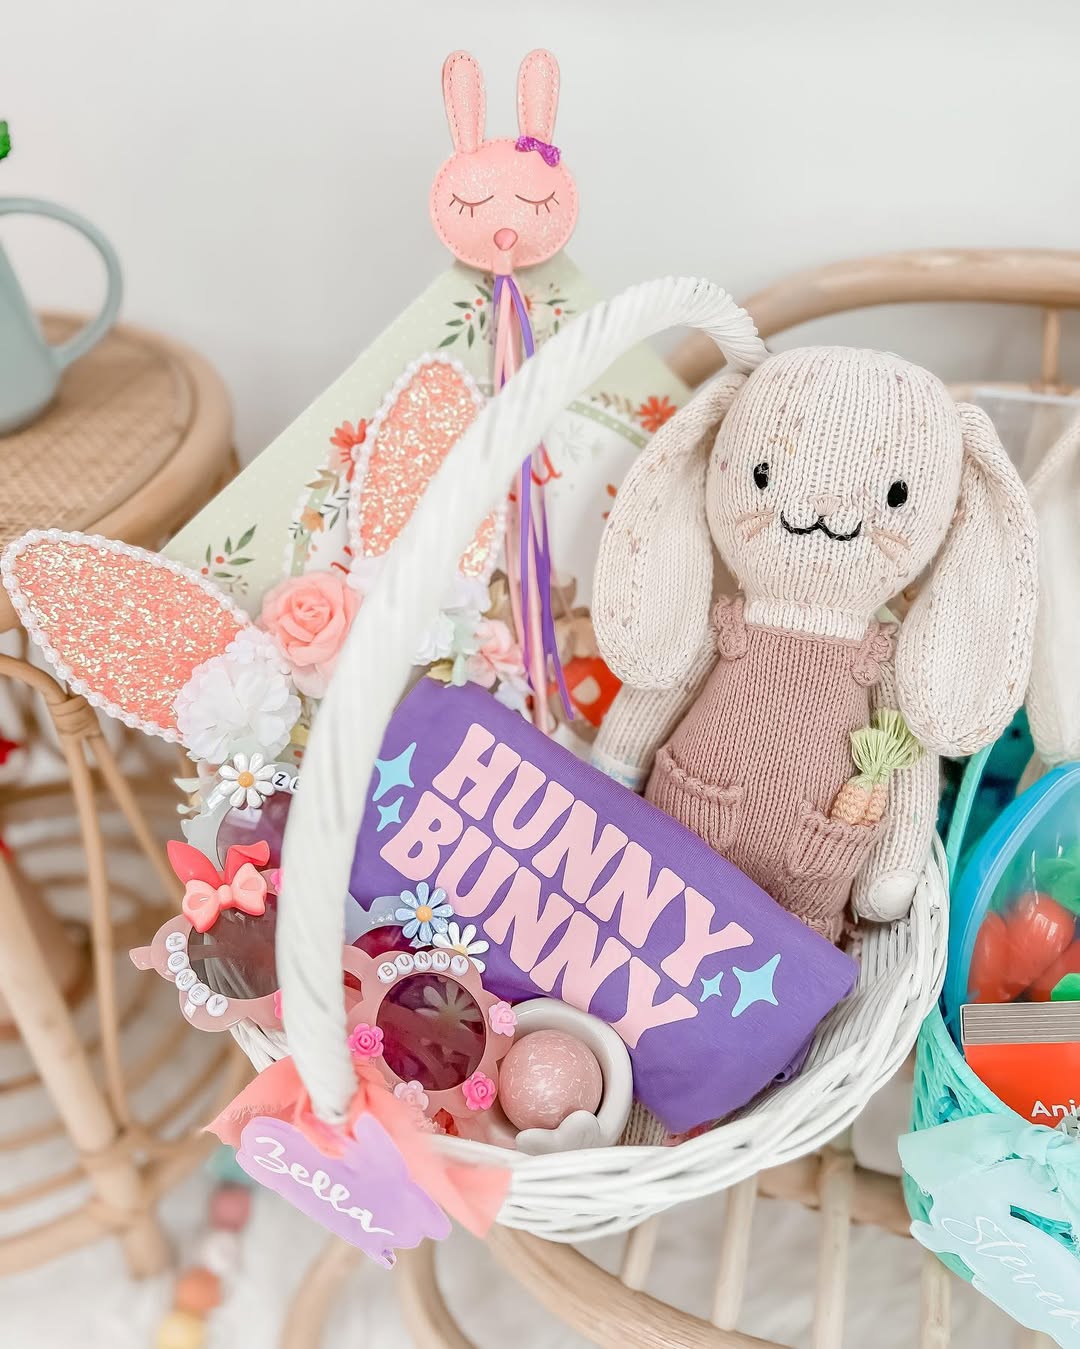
(426,411)
(122,626)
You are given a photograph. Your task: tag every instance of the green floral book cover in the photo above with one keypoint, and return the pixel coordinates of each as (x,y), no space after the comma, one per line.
(285,514)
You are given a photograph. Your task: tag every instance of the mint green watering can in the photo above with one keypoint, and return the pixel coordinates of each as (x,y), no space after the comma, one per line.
(30,367)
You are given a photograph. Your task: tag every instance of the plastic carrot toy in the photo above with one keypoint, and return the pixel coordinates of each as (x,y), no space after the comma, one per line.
(879,750)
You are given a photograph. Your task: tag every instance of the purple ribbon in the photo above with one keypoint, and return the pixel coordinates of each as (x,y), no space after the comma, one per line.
(548,153)
(533,549)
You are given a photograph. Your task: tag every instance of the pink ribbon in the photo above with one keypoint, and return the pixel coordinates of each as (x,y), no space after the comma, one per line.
(533,611)
(472,1195)
(548,153)
(207,891)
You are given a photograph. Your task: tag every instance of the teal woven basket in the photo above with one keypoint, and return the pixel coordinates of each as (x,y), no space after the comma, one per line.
(945,1090)
(945,1087)
(998,1185)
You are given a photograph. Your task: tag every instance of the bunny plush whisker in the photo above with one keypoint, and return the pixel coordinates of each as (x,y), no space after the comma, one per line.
(753,522)
(892,545)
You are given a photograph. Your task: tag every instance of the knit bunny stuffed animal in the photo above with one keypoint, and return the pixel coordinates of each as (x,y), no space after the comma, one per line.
(829,479)
(503,204)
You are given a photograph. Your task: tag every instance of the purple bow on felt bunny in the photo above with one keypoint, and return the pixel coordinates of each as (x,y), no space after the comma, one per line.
(548,153)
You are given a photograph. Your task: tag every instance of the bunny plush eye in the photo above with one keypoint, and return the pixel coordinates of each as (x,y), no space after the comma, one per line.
(546,202)
(761,476)
(897,494)
(469,206)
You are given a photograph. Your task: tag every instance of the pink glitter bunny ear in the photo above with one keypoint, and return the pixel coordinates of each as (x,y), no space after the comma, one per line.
(538,95)
(463,94)
(122,626)
(425,412)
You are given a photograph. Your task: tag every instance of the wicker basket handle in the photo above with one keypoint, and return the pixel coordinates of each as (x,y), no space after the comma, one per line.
(377,657)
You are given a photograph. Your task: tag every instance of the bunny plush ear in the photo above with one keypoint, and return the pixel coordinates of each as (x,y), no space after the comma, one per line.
(538,95)
(408,438)
(463,94)
(964,653)
(123,627)
(653,581)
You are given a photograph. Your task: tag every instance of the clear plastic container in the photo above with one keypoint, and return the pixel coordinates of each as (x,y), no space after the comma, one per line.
(1013,930)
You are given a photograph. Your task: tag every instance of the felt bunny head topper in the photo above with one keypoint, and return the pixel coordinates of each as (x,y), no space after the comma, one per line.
(503,204)
(829,479)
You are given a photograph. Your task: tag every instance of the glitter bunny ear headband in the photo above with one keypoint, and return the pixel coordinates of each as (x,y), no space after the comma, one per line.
(426,411)
(160,647)
(124,627)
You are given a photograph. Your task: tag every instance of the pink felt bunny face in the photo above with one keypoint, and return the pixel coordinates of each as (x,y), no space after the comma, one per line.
(503,204)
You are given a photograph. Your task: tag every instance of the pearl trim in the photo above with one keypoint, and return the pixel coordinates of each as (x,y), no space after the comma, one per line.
(98,543)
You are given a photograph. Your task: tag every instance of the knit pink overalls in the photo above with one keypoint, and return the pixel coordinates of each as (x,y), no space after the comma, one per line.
(754,775)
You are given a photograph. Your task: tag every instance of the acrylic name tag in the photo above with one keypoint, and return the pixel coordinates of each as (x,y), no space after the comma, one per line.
(364,1196)
(984,1175)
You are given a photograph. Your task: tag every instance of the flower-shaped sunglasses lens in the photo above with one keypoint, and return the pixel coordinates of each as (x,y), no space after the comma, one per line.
(243,825)
(433,1031)
(236,955)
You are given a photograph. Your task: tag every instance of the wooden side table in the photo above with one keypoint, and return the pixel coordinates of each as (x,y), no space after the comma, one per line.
(139,437)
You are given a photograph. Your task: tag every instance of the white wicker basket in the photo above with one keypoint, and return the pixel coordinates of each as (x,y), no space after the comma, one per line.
(577,1195)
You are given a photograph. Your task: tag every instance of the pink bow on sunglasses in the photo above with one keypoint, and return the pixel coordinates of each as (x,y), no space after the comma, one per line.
(207,891)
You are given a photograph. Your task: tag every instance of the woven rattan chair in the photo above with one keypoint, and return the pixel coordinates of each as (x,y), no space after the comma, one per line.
(137,439)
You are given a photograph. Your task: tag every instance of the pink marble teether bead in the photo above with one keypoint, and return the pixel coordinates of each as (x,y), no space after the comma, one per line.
(546,1076)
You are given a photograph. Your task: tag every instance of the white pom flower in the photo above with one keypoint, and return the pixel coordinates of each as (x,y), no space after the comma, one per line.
(242,698)
(251,645)
(437,642)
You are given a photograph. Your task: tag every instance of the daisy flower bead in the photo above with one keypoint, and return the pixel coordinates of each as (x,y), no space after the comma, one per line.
(246,781)
(463,942)
(423,915)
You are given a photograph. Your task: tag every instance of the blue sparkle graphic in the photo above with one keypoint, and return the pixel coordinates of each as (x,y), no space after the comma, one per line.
(710,988)
(394,772)
(389,815)
(755,986)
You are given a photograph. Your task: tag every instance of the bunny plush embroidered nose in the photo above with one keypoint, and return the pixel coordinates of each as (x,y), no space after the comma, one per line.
(507,203)
(829,479)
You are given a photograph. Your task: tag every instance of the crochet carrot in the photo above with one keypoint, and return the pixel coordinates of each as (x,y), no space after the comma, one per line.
(879,750)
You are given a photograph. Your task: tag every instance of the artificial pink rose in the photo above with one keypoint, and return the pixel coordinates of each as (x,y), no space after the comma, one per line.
(309,618)
(502,1019)
(479,1091)
(498,656)
(366,1042)
(412,1093)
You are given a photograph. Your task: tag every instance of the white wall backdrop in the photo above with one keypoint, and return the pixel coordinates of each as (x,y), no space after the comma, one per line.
(263,165)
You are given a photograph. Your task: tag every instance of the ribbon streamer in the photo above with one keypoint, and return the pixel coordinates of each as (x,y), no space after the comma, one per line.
(534,542)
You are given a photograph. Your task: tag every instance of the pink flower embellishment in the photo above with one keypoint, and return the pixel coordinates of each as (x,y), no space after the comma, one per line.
(366,1041)
(479,1091)
(498,655)
(309,618)
(502,1019)
(412,1093)
(345,441)
(277,1005)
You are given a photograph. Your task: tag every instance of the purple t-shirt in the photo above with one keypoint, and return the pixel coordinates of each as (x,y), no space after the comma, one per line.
(587,893)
